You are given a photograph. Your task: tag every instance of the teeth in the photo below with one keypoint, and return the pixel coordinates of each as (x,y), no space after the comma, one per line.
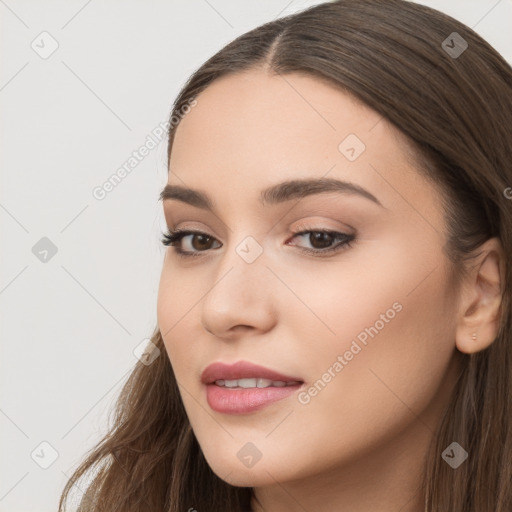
(264,383)
(253,383)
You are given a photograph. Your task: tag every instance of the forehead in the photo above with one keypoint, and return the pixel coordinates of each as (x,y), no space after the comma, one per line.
(250,130)
(267,119)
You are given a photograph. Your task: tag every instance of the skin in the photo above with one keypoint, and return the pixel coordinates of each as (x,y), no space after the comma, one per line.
(361,441)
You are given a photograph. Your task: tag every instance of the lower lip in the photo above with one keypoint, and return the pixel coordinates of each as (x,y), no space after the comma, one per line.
(239,401)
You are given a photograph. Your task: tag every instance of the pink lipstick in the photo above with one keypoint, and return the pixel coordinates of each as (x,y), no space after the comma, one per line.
(245,387)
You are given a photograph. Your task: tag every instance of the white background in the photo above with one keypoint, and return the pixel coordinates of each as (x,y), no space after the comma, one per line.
(69,326)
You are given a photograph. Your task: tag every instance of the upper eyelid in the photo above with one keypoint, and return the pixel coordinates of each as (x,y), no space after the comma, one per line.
(192,231)
(305,225)
(184,232)
(345,240)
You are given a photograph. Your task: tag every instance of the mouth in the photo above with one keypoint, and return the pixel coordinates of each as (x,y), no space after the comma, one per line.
(245,387)
(245,374)
(255,382)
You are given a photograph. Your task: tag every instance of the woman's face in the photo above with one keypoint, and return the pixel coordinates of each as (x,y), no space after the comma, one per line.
(368,328)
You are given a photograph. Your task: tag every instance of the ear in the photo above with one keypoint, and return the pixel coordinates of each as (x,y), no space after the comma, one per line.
(480,300)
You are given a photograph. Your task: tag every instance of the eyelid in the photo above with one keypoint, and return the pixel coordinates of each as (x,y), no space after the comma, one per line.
(316,225)
(345,241)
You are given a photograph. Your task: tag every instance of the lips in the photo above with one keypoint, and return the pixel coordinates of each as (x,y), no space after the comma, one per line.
(242,370)
(226,397)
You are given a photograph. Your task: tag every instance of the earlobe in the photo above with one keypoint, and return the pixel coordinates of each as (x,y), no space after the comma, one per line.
(480,301)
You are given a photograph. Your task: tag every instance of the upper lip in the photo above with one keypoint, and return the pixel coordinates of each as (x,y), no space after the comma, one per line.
(242,370)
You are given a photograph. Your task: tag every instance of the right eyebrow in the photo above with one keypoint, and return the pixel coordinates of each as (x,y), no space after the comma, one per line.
(273,195)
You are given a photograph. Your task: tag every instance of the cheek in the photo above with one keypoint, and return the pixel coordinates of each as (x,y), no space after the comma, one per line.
(177,295)
(383,345)
(392,346)
(174,310)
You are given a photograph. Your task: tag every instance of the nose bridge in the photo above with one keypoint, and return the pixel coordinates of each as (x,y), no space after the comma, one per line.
(240,292)
(242,271)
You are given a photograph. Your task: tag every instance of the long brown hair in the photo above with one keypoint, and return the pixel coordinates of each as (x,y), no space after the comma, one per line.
(455,109)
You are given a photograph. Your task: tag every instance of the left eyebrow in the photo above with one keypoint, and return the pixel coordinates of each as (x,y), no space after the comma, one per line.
(276,194)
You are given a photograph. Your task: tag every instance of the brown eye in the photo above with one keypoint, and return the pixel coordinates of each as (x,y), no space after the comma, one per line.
(195,242)
(203,242)
(320,239)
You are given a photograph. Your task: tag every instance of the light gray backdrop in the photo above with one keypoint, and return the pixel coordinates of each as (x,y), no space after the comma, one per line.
(82,86)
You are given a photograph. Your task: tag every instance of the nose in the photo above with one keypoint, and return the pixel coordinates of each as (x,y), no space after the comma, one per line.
(241,297)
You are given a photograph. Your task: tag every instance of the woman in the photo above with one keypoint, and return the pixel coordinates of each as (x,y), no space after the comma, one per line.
(334,314)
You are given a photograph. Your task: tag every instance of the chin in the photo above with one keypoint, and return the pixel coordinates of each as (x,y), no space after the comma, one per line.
(236,474)
(240,479)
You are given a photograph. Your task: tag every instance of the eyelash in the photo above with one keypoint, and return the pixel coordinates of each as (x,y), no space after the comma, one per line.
(172,237)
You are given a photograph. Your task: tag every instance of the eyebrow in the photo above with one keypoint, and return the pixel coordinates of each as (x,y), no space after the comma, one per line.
(276,194)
